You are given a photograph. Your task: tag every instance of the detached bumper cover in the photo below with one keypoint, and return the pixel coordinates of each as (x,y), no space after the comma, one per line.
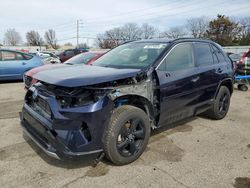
(62,137)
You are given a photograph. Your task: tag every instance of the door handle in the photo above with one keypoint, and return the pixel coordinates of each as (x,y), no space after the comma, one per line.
(195,79)
(219,70)
(167,74)
(24,63)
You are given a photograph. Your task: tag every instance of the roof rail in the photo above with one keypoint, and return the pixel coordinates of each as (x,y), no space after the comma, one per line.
(191,38)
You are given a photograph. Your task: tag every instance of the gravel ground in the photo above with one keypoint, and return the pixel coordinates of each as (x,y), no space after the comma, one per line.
(198,153)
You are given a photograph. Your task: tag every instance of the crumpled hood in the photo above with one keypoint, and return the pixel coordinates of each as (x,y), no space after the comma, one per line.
(83,75)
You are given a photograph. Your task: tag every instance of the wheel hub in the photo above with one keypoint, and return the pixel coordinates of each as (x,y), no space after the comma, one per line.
(131,137)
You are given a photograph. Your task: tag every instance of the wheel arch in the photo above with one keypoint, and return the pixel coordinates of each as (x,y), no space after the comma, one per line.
(226,82)
(139,102)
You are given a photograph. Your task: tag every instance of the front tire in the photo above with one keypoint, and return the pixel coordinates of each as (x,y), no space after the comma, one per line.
(127,135)
(221,104)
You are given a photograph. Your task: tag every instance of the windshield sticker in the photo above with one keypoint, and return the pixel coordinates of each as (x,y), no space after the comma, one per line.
(155,46)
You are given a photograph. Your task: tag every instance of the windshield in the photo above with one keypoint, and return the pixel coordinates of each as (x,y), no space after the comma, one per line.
(134,55)
(81,59)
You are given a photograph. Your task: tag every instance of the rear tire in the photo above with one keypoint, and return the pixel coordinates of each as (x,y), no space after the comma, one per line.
(221,104)
(242,87)
(127,135)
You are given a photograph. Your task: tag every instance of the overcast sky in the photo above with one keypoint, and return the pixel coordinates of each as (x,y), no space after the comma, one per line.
(97,16)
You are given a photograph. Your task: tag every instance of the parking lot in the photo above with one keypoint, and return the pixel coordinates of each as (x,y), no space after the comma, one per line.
(198,153)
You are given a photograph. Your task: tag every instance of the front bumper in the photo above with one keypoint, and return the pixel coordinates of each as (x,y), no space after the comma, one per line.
(63,136)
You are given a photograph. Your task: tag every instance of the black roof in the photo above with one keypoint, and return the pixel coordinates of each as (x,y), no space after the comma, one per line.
(164,40)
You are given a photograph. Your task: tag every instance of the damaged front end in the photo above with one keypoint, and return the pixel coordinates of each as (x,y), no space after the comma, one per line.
(68,122)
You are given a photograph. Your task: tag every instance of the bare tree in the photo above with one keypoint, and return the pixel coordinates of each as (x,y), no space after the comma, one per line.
(68,44)
(245,31)
(83,45)
(131,31)
(198,26)
(148,31)
(12,37)
(113,37)
(33,38)
(174,33)
(50,38)
(245,24)
(127,32)
(109,39)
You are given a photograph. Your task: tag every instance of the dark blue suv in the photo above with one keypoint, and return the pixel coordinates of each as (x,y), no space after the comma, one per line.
(111,106)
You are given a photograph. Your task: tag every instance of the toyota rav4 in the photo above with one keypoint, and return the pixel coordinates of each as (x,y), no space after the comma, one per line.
(112,106)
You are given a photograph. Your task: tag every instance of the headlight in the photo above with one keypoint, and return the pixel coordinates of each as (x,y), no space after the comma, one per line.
(85,98)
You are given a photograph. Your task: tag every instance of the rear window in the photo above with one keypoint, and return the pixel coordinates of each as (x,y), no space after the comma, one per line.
(204,54)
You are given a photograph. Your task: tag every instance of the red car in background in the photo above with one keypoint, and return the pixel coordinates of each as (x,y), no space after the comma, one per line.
(67,54)
(243,66)
(85,58)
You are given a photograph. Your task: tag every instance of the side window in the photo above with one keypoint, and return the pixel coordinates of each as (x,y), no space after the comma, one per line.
(203,54)
(217,53)
(180,58)
(19,56)
(8,56)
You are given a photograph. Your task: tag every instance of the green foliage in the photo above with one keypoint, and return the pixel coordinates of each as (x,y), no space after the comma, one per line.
(224,31)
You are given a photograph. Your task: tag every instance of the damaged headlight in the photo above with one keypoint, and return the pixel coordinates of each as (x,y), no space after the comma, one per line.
(85,98)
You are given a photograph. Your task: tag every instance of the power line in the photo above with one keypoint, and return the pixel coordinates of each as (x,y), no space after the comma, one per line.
(168,15)
(156,14)
(134,11)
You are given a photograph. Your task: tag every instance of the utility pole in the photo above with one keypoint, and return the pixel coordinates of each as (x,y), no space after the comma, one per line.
(78,24)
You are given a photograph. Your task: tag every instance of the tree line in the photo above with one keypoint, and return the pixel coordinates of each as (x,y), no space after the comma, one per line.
(13,38)
(224,30)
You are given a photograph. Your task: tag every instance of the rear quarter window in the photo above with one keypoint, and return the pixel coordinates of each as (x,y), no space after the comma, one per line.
(218,56)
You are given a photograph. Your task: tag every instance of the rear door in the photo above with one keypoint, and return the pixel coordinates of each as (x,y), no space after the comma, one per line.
(178,80)
(209,79)
(212,67)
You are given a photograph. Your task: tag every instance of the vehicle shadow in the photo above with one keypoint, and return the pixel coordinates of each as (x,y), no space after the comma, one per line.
(179,126)
(88,160)
(85,161)
(10,81)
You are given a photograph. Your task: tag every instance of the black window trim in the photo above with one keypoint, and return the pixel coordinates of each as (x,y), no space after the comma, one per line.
(174,46)
(220,51)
